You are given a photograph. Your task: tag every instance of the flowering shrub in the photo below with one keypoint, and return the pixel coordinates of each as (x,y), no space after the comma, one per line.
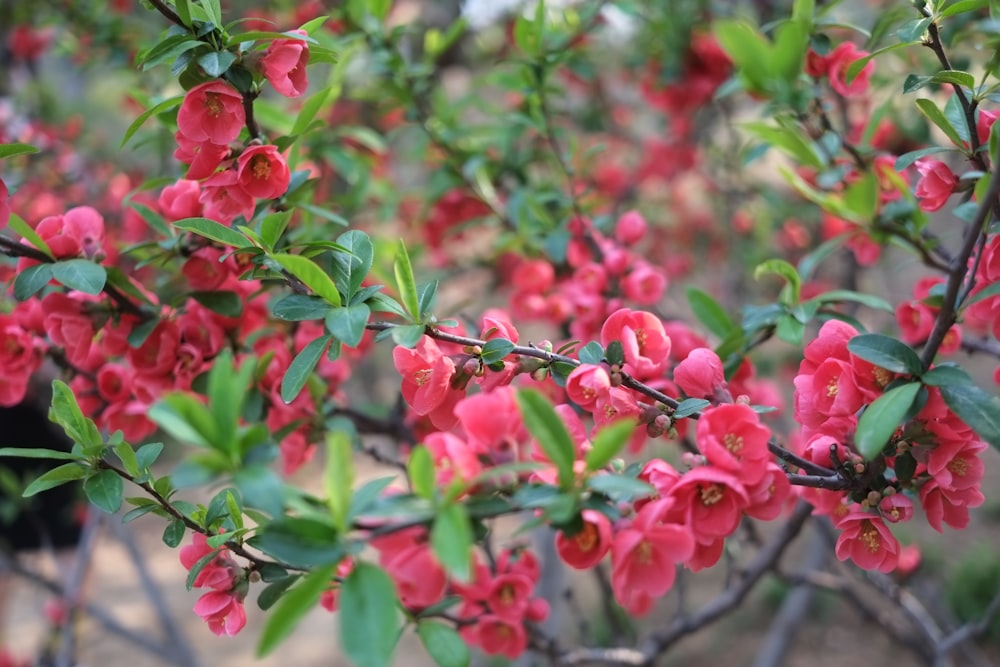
(227,308)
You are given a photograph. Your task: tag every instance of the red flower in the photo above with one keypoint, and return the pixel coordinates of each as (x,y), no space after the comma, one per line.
(284,65)
(867,541)
(840,59)
(225,199)
(262,172)
(222,611)
(732,438)
(4,204)
(700,374)
(643,339)
(427,374)
(212,111)
(586,547)
(936,183)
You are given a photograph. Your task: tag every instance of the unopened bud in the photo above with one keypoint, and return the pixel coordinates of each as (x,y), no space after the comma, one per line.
(859,468)
(743,399)
(540,374)
(874,497)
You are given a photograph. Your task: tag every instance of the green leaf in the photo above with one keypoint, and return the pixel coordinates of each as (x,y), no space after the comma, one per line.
(227,390)
(351,268)
(210,229)
(66,412)
(273,226)
(299,307)
(977,408)
(81,275)
(216,63)
(936,116)
(105,490)
(347,323)
(67,472)
(790,140)
(273,592)
(608,442)
(451,541)
(689,406)
(591,353)
(615,353)
(299,542)
(495,350)
(33,279)
(11,150)
(620,487)
(302,367)
(837,296)
(887,352)
(906,159)
(407,335)
(338,477)
(224,302)
(146,455)
(183,11)
(420,470)
(781,268)
(962,6)
(292,607)
(311,275)
(956,77)
(443,644)
(942,375)
(709,312)
(173,533)
(881,419)
(126,455)
(914,30)
(20,227)
(185,418)
(369,622)
(38,453)
(309,109)
(406,283)
(544,423)
(166,104)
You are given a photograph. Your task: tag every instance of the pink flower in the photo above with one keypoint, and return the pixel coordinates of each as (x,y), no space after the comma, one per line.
(644,557)
(79,231)
(492,423)
(644,284)
(509,595)
(284,65)
(181,200)
(453,458)
(533,276)
(500,636)
(68,325)
(732,438)
(262,172)
(710,501)
(630,228)
(222,611)
(225,199)
(936,183)
(700,374)
(586,547)
(949,506)
(202,157)
(984,123)
(427,375)
(840,59)
(866,540)
(768,496)
(211,111)
(643,339)
(586,384)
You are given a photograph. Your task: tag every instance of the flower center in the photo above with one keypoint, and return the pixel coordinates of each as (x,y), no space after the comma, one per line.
(586,539)
(733,443)
(870,536)
(882,376)
(959,467)
(261,168)
(710,494)
(422,376)
(831,387)
(213,104)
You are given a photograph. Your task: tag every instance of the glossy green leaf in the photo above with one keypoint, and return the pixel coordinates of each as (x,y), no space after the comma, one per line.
(66,412)
(22,228)
(165,105)
(784,270)
(977,408)
(311,275)
(292,607)
(496,349)
(451,541)
(67,472)
(347,323)
(105,490)
(420,470)
(223,302)
(11,150)
(620,487)
(301,368)
(887,352)
(210,229)
(338,477)
(32,280)
(81,275)
(300,307)
(544,423)
(938,118)
(881,419)
(443,643)
(608,442)
(405,282)
(944,374)
(369,621)
(708,311)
